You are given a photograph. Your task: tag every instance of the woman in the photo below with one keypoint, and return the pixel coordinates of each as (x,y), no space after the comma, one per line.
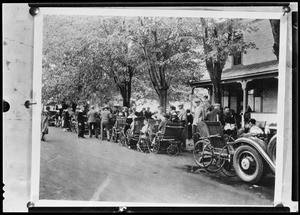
(45,122)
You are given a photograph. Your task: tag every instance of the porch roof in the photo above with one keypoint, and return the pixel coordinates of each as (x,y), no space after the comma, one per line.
(237,73)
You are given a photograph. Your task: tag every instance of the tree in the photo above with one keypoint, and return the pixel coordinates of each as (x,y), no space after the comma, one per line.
(275,25)
(167,55)
(69,71)
(221,38)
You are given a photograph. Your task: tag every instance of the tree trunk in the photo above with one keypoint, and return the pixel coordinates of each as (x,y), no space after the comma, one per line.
(217,91)
(275,25)
(126,94)
(124,86)
(215,72)
(163,99)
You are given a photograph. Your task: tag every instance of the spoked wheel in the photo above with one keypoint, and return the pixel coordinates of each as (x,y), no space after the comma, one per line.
(248,164)
(211,161)
(198,153)
(153,146)
(114,135)
(123,139)
(142,145)
(226,162)
(172,150)
(128,138)
(228,138)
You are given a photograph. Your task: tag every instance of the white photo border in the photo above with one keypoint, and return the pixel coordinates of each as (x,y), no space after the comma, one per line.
(37,95)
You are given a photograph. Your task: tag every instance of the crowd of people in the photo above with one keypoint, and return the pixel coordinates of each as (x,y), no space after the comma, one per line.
(105,118)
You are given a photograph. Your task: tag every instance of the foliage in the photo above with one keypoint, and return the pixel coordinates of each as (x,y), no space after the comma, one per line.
(166,52)
(220,39)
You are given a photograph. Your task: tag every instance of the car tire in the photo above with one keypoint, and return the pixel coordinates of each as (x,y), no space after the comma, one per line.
(248,164)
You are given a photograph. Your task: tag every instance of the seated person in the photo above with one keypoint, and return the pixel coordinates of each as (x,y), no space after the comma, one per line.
(251,128)
(145,129)
(163,123)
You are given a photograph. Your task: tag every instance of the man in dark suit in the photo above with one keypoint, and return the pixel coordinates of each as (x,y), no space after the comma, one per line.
(81,122)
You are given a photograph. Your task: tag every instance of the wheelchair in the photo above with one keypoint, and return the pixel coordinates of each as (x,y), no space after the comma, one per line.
(214,150)
(117,129)
(133,135)
(170,140)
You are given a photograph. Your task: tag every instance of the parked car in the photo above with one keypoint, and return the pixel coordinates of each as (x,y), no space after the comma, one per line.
(254,157)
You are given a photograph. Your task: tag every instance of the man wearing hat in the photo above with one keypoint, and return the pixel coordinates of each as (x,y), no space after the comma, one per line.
(182,113)
(92,121)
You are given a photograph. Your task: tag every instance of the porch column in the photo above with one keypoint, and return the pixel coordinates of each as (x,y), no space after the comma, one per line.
(244,88)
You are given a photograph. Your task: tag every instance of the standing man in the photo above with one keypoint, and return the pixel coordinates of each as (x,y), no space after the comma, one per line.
(81,122)
(215,113)
(106,117)
(196,116)
(182,113)
(92,120)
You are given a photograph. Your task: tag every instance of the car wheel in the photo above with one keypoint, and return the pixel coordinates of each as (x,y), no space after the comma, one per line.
(248,164)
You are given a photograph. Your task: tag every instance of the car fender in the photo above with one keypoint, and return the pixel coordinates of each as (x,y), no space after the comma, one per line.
(259,145)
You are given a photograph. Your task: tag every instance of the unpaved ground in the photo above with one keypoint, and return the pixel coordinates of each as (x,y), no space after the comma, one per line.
(90,169)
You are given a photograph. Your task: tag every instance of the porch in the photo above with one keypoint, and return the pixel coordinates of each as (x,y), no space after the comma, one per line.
(255,85)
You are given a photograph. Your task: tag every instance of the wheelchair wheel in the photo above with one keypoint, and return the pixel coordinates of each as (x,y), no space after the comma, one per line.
(128,138)
(122,140)
(210,160)
(172,150)
(114,135)
(198,152)
(153,146)
(226,162)
(142,145)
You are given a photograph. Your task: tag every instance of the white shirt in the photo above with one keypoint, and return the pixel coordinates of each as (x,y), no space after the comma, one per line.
(255,130)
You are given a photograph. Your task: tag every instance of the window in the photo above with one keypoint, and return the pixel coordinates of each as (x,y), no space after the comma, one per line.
(237,59)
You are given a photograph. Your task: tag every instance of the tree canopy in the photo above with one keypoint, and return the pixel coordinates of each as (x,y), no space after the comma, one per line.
(92,56)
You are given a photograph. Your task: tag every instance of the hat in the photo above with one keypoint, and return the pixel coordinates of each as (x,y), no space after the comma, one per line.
(197,100)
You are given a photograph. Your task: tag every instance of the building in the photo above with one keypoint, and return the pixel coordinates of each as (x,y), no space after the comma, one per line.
(252,78)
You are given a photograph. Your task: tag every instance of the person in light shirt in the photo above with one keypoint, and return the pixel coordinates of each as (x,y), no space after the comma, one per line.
(251,129)
(158,115)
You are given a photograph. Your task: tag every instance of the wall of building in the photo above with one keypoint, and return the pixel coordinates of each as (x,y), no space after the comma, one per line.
(263,39)
(269,99)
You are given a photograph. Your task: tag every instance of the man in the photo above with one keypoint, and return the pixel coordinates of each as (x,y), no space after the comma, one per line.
(253,128)
(182,113)
(214,115)
(106,117)
(197,113)
(81,122)
(148,113)
(92,121)
(173,114)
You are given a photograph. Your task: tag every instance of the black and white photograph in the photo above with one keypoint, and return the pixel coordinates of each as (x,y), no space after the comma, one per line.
(175,107)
